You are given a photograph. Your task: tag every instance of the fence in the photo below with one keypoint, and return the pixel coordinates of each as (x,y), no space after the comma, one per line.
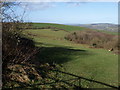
(61,79)
(68,80)
(79,79)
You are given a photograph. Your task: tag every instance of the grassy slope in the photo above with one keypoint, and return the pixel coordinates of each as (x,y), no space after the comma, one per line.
(78,59)
(60,26)
(69,27)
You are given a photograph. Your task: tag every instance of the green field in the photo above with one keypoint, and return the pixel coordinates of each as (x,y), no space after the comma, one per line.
(69,27)
(60,26)
(97,64)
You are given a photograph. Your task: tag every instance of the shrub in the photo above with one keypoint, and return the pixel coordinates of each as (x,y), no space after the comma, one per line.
(95,39)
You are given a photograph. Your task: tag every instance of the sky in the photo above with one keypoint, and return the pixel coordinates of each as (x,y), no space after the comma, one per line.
(70,13)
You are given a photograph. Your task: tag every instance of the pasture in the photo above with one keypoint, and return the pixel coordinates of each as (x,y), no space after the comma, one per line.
(97,64)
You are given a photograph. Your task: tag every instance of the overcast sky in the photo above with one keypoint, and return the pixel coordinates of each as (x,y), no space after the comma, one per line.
(71,13)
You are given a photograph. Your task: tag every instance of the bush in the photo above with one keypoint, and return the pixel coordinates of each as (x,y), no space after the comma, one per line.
(95,39)
(15,48)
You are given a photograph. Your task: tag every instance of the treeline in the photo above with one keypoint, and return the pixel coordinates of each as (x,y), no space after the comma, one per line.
(95,39)
(31,26)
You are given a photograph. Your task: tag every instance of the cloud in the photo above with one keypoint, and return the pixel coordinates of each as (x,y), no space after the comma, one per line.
(75,3)
(36,5)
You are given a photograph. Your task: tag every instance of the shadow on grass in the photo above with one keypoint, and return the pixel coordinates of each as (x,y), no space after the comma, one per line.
(60,55)
(50,55)
(45,44)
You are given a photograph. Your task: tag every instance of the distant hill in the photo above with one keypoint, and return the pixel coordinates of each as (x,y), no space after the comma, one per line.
(100,26)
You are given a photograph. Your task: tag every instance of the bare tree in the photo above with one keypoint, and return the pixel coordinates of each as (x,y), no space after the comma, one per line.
(16,49)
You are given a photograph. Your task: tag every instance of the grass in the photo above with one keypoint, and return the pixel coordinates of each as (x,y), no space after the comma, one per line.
(69,27)
(113,33)
(97,64)
(60,26)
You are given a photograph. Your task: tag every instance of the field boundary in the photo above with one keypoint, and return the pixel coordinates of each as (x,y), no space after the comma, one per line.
(77,80)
